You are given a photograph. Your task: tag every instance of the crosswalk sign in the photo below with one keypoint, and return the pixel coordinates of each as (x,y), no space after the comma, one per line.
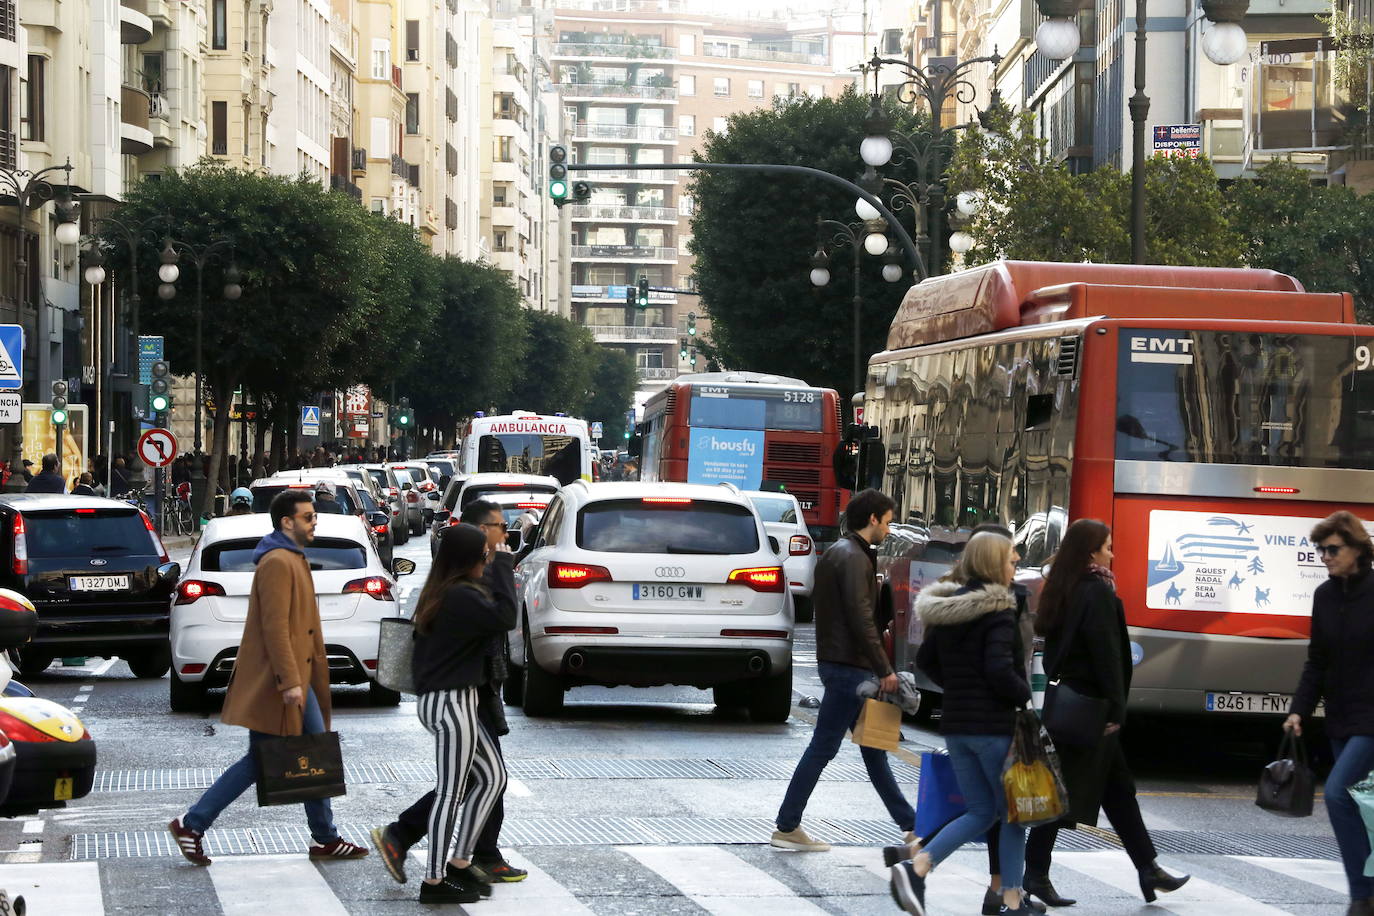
(11,357)
(310,420)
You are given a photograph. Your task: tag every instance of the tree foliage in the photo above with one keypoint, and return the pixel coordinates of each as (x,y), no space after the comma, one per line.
(613,388)
(558,376)
(753,234)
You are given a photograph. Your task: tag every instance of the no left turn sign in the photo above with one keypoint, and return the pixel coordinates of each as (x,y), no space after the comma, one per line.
(157,447)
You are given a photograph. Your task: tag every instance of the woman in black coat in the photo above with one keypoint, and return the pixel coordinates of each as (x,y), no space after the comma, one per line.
(1338,670)
(1087,648)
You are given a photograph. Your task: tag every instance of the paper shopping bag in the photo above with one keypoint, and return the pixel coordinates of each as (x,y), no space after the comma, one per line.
(297,768)
(879,726)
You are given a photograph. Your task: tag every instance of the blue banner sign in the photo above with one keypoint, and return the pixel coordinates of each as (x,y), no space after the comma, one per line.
(726,456)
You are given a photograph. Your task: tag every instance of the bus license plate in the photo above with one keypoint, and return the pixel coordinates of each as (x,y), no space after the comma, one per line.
(667,592)
(1252,703)
(99,583)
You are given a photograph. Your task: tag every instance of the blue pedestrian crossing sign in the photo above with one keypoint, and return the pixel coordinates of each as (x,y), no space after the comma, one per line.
(310,421)
(11,357)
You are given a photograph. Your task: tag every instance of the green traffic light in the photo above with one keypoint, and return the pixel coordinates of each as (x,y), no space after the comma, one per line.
(59,418)
(161,402)
(558,190)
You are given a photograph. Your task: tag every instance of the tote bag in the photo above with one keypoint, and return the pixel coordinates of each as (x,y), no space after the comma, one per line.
(939,799)
(297,768)
(396,654)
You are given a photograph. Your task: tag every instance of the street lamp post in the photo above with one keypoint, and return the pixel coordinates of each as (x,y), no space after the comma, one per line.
(31,190)
(860,237)
(1223,43)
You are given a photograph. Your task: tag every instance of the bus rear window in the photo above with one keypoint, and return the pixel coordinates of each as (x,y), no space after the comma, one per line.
(1218,397)
(633,526)
(531,453)
(719,408)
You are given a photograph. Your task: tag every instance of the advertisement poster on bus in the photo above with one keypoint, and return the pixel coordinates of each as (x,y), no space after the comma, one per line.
(1248,564)
(726,456)
(40,437)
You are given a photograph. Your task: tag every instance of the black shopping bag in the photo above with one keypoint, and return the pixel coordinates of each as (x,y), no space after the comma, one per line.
(297,768)
(1285,786)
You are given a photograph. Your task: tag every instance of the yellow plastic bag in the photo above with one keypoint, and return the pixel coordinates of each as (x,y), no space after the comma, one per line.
(1031,781)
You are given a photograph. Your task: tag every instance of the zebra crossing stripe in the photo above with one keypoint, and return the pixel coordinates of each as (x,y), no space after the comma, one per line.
(1196,898)
(538,893)
(703,872)
(55,887)
(295,882)
(1321,872)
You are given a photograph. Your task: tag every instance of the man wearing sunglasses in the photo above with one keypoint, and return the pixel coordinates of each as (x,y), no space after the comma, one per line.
(280,683)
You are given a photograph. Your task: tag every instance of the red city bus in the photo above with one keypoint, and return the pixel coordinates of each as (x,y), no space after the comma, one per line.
(747,429)
(1209,416)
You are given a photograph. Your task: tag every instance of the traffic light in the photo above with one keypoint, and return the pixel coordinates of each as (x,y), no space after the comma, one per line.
(631,297)
(682,348)
(402,417)
(691,324)
(160,389)
(558,175)
(59,403)
(693,358)
(643,301)
(581,191)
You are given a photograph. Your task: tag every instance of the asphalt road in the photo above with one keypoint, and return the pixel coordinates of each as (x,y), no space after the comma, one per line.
(633,802)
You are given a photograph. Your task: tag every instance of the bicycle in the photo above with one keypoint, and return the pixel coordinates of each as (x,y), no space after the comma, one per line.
(176,510)
(135,497)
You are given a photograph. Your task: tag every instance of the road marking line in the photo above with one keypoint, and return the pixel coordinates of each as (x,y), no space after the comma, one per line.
(1203,898)
(537,893)
(1321,872)
(33,826)
(87,688)
(55,887)
(951,888)
(703,872)
(109,663)
(81,698)
(296,886)
(517,788)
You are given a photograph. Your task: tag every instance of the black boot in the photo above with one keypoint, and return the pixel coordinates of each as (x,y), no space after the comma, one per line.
(1039,886)
(1155,878)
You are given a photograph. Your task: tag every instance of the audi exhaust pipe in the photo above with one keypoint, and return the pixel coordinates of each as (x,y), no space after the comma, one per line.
(576,661)
(757,663)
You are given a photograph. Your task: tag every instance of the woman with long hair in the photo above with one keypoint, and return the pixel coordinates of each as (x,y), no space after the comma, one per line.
(1087,648)
(455,618)
(969,650)
(1338,670)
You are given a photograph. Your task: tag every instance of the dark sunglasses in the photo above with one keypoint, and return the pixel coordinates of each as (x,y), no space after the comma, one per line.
(1330,550)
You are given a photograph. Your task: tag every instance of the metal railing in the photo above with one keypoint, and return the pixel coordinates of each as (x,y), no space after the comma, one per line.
(603,211)
(8,21)
(157,106)
(784,57)
(647,176)
(629,332)
(617,90)
(616,252)
(588,131)
(608,49)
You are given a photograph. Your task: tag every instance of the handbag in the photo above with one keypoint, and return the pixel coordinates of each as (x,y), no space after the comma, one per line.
(1031,778)
(1071,717)
(396,654)
(879,726)
(939,799)
(297,768)
(1285,786)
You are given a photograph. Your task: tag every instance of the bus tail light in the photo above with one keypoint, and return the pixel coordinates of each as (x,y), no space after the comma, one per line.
(576,575)
(1278,491)
(759,578)
(799,545)
(21,547)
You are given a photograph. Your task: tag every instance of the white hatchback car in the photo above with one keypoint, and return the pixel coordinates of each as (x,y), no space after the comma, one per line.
(647,584)
(354,590)
(783,519)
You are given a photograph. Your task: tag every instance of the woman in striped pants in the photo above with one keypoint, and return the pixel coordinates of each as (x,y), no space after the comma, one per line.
(455,619)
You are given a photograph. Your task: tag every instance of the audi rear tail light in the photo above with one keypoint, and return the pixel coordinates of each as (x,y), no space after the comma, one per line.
(21,547)
(377,587)
(759,578)
(152,533)
(192,590)
(799,545)
(576,575)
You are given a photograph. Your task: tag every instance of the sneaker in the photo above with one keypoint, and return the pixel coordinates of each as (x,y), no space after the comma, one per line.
(1025,909)
(894,854)
(908,889)
(447,891)
(798,840)
(467,877)
(337,848)
(498,871)
(189,842)
(392,853)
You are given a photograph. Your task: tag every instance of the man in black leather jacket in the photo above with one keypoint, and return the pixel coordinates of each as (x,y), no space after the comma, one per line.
(849,651)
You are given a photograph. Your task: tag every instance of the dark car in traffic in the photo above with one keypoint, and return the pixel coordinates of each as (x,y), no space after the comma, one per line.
(96,572)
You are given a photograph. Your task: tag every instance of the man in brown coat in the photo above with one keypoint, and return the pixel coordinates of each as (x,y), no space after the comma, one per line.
(280,684)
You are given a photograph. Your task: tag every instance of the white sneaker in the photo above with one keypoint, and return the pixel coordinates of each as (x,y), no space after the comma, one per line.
(797,840)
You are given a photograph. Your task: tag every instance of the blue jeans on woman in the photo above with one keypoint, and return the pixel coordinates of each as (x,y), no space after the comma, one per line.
(234,781)
(977,761)
(1354,760)
(839,711)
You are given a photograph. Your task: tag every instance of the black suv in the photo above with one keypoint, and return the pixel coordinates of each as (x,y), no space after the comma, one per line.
(97,574)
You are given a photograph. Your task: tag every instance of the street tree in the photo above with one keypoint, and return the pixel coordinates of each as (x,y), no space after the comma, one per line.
(752,236)
(558,374)
(613,389)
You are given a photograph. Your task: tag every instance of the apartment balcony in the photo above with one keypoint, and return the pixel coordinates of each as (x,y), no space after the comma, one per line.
(628,176)
(779,57)
(342,184)
(575,92)
(609,51)
(161,12)
(134,135)
(358,165)
(600,213)
(630,133)
(160,120)
(134,25)
(504,215)
(656,374)
(625,6)
(616,294)
(624,253)
(619,333)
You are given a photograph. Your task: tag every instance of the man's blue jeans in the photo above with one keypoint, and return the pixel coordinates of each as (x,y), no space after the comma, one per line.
(234,781)
(1354,760)
(839,712)
(977,761)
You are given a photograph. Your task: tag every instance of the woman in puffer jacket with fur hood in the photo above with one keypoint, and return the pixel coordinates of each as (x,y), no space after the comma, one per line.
(969,650)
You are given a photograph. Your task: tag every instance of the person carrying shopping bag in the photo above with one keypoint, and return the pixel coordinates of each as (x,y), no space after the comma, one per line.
(1088,658)
(1339,671)
(456,617)
(970,651)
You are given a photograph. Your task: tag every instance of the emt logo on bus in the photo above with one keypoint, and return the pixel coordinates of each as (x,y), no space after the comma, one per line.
(1162,350)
